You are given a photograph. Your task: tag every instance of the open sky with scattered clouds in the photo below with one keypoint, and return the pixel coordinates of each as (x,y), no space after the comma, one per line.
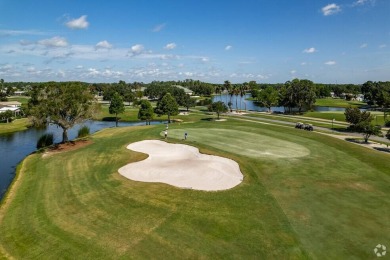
(345,41)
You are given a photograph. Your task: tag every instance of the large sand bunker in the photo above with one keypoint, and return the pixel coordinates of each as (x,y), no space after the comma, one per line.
(182,166)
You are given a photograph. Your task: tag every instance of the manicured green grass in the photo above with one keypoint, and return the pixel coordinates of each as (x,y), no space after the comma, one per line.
(14,126)
(337,102)
(314,120)
(337,115)
(131,115)
(21,99)
(330,202)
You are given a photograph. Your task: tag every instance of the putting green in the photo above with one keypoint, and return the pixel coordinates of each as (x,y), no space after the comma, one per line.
(253,145)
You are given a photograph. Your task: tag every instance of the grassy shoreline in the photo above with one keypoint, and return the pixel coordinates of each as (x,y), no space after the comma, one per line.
(15,126)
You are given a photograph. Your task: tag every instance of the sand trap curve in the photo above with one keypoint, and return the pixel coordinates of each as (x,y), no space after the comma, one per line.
(182,166)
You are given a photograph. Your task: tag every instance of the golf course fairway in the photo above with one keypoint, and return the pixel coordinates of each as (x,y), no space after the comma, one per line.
(304,195)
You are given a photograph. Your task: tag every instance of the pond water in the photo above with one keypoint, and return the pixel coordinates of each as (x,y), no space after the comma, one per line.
(14,147)
(243,104)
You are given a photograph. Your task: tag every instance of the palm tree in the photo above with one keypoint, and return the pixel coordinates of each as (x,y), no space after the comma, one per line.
(227,85)
(218,91)
(236,92)
(242,89)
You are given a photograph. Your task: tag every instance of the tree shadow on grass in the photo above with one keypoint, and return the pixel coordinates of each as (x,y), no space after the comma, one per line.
(110,118)
(387,150)
(209,119)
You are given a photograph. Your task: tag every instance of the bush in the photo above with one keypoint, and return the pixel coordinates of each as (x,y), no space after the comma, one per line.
(204,102)
(387,123)
(83,132)
(45,140)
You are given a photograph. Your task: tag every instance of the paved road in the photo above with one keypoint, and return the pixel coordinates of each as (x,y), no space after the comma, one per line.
(292,124)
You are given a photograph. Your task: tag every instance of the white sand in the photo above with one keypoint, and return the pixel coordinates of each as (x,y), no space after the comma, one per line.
(182,166)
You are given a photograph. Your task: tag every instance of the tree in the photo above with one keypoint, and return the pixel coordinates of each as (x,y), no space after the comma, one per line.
(145,111)
(3,94)
(6,116)
(129,97)
(236,91)
(298,93)
(167,105)
(367,129)
(62,104)
(269,97)
(242,90)
(354,116)
(116,106)
(188,101)
(388,134)
(218,107)
(228,86)
(361,122)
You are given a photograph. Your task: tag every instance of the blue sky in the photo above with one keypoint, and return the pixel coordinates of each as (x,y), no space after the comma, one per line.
(270,41)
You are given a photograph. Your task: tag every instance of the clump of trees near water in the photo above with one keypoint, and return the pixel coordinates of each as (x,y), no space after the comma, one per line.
(64,104)
(295,94)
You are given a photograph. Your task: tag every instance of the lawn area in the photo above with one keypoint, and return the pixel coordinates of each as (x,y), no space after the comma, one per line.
(340,117)
(304,195)
(131,115)
(307,119)
(14,126)
(337,115)
(337,102)
(21,99)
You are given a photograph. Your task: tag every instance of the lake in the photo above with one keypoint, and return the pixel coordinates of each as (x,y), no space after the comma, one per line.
(14,147)
(243,104)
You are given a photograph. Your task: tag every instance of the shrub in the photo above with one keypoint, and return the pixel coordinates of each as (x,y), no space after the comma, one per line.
(204,102)
(83,132)
(387,123)
(45,140)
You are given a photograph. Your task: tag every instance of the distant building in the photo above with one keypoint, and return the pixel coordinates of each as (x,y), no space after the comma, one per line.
(359,97)
(19,93)
(13,106)
(10,104)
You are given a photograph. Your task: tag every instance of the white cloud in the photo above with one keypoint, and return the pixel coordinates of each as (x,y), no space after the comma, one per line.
(363,2)
(382,46)
(330,63)
(158,27)
(303,63)
(205,59)
(360,2)
(137,49)
(293,72)
(20,32)
(310,50)
(228,47)
(103,45)
(54,42)
(330,9)
(79,23)
(170,46)
(364,45)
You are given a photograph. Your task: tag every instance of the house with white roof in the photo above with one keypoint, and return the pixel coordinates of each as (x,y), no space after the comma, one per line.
(13,106)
